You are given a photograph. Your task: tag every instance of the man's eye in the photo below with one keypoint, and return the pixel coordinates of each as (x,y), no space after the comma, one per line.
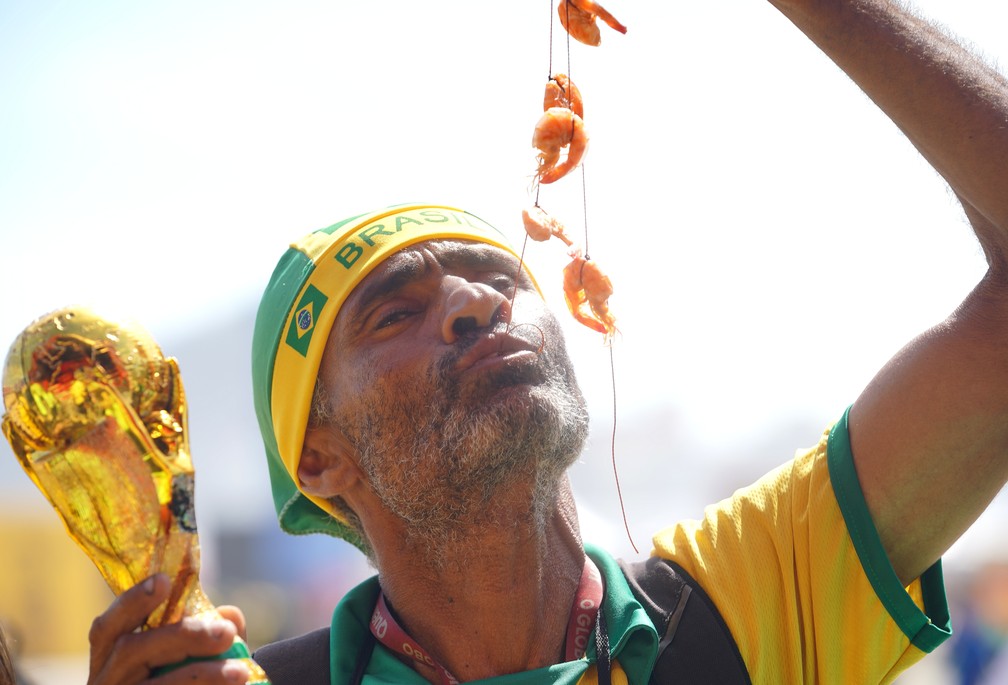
(503,283)
(391,317)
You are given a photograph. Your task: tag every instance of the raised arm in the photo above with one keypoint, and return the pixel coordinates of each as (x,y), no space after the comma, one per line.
(930,432)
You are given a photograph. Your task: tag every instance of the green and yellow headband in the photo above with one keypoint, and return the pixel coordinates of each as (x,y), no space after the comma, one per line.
(309,285)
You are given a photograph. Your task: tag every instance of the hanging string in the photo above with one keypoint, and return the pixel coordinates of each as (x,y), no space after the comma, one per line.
(567,12)
(612,449)
(584,208)
(549,4)
(521,259)
(514,291)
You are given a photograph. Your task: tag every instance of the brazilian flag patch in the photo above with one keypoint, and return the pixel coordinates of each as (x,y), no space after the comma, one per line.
(299,334)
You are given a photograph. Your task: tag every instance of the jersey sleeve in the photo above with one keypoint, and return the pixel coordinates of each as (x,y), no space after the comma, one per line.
(797,570)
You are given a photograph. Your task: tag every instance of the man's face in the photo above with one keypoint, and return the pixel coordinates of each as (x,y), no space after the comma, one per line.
(445,404)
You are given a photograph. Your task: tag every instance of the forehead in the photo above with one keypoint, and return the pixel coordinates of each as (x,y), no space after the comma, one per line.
(450,253)
(416,261)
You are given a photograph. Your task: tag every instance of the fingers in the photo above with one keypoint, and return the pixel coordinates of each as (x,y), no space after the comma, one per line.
(127,613)
(214,672)
(235,615)
(122,656)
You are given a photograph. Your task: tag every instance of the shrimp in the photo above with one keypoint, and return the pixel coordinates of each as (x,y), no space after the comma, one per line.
(541,226)
(558,128)
(587,290)
(578,17)
(561,92)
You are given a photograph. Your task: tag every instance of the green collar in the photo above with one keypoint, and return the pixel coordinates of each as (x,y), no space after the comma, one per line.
(632,637)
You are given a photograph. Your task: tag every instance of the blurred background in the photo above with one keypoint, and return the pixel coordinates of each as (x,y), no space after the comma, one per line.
(771,237)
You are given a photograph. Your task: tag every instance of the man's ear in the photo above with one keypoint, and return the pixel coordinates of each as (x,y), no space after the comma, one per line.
(328,465)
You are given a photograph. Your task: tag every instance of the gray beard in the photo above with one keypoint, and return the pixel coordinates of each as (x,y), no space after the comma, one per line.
(442,461)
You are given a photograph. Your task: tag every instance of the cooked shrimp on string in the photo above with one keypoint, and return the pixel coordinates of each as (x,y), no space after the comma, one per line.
(578,18)
(587,289)
(561,92)
(541,226)
(558,128)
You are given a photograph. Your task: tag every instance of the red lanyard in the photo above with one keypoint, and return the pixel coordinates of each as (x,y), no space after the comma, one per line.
(579,628)
(586,605)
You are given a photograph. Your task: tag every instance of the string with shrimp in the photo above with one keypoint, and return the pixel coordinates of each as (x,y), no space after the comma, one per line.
(561,130)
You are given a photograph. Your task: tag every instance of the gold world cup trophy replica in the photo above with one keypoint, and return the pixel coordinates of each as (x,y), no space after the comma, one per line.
(96,415)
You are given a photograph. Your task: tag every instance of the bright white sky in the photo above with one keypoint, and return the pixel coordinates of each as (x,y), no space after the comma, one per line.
(771,237)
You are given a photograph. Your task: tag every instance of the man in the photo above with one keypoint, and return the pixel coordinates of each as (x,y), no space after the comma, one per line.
(411,406)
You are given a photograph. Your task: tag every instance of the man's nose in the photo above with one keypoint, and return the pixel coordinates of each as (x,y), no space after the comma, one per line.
(471,306)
